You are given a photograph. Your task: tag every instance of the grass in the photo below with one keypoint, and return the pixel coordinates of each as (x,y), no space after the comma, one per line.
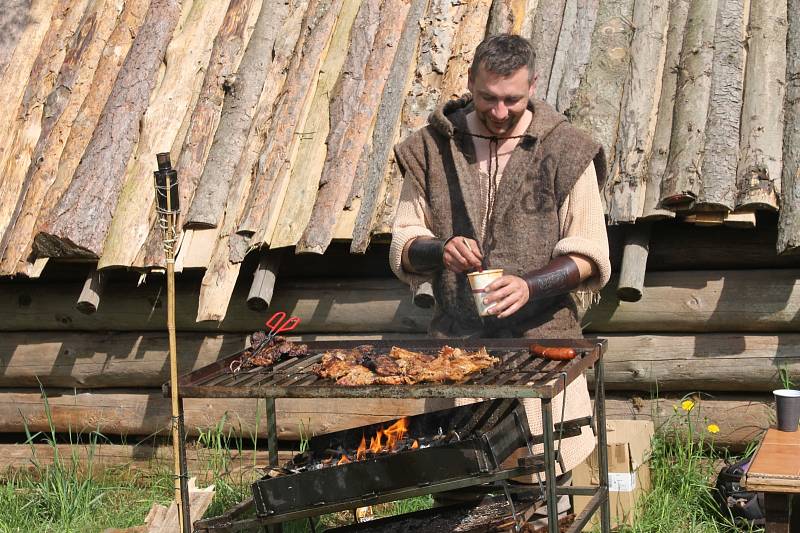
(70,495)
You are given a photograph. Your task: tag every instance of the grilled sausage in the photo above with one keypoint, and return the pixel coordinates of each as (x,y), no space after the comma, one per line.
(555,354)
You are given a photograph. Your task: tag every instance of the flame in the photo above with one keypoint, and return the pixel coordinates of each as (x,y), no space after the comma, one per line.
(375,442)
(396,432)
(361,453)
(344,460)
(415,445)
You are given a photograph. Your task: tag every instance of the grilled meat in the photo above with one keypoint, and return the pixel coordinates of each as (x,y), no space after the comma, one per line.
(262,353)
(360,366)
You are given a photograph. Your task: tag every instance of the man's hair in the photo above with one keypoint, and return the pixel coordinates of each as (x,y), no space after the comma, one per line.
(504,54)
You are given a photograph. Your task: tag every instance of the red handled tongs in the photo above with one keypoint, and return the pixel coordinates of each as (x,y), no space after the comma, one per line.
(277,324)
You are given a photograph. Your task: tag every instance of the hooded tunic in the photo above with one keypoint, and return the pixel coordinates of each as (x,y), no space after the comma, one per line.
(520,236)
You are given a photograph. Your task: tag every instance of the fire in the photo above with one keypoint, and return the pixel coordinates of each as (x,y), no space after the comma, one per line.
(361,453)
(415,445)
(344,460)
(396,432)
(375,442)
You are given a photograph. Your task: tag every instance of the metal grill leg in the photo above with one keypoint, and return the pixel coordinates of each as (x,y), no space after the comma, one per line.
(272,447)
(602,443)
(550,466)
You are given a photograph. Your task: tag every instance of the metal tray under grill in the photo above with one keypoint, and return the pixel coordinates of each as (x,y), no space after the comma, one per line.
(518,375)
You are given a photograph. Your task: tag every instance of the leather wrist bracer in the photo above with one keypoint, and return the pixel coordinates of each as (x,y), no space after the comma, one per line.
(426,255)
(559,276)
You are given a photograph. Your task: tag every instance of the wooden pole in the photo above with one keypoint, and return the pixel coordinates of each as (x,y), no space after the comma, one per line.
(634,263)
(89,299)
(168,208)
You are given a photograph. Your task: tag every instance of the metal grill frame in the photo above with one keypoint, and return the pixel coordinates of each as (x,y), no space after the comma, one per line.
(547,379)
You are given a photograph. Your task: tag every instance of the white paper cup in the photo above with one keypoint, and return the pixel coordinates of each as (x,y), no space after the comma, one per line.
(478,281)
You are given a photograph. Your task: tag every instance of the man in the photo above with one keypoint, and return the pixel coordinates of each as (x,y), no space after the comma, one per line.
(498,179)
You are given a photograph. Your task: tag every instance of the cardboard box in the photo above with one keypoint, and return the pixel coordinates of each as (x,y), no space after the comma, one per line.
(628,473)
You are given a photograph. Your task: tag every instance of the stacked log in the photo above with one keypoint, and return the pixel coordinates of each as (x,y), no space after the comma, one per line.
(789,228)
(576,56)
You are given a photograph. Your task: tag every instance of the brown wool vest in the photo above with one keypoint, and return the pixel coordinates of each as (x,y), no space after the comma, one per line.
(524,228)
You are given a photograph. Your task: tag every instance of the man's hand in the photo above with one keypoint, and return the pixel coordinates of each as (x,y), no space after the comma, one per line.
(462,254)
(508,294)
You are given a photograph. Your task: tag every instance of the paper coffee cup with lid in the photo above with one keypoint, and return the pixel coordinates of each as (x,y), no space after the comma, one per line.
(479,281)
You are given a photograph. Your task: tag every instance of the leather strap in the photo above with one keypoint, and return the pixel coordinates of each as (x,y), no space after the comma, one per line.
(559,276)
(426,255)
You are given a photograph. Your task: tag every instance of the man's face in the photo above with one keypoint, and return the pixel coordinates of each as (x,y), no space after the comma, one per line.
(500,101)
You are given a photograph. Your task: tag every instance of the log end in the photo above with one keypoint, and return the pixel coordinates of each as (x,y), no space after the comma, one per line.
(49,245)
(629,294)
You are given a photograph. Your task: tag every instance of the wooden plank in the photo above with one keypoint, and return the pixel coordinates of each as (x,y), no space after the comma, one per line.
(659,155)
(596,105)
(72,85)
(690,301)
(545,39)
(682,181)
(186,60)
(371,185)
(577,54)
(31,118)
(270,182)
(237,114)
(141,457)
(789,224)
(434,51)
(194,143)
(471,30)
(625,189)
(14,20)
(84,125)
(349,138)
(79,223)
(18,70)
(634,361)
(506,16)
(741,418)
(724,109)
(147,412)
(298,203)
(761,143)
(223,268)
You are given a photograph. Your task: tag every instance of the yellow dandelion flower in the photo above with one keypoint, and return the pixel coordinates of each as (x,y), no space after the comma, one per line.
(713,428)
(687,405)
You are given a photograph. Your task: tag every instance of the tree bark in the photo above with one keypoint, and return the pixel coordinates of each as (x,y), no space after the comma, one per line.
(79,223)
(560,54)
(789,226)
(725,107)
(147,412)
(349,137)
(272,179)
(17,73)
(225,261)
(506,16)
(596,105)
(625,190)
(682,181)
(376,182)
(171,104)
(545,39)
(84,125)
(299,201)
(243,91)
(29,122)
(83,54)
(14,20)
(659,155)
(577,54)
(761,143)
(471,29)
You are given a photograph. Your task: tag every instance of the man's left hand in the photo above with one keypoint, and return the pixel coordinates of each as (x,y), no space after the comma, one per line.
(509,292)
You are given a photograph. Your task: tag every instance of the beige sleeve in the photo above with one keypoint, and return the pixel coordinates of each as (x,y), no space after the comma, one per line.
(583,228)
(411,221)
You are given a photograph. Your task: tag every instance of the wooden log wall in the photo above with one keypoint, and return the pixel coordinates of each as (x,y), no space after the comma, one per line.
(789,229)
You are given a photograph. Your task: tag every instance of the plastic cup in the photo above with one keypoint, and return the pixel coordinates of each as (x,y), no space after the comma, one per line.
(787,405)
(478,281)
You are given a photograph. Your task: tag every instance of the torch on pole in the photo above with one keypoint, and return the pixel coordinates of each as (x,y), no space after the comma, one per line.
(168,207)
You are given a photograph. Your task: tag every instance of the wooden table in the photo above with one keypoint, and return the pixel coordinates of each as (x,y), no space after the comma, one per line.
(775,471)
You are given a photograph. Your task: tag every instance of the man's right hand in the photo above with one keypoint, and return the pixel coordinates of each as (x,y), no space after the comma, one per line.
(462,254)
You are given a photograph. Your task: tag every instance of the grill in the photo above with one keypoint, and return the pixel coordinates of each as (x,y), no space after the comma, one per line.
(464,462)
